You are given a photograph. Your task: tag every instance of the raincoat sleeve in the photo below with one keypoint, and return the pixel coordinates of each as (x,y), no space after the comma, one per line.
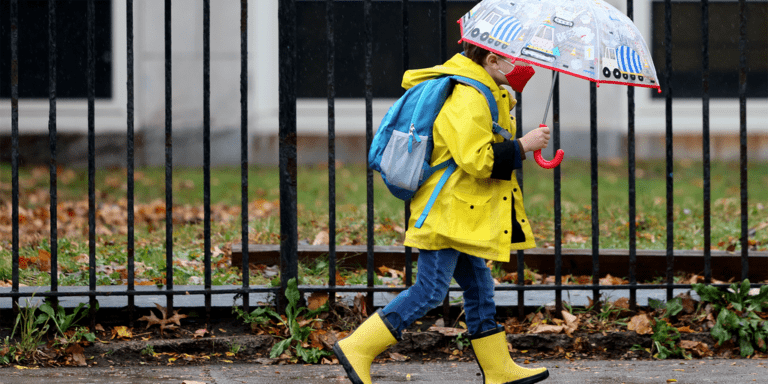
(465,125)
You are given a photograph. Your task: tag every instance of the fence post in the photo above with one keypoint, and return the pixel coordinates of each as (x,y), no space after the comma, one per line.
(331,96)
(743,138)
(54,241)
(168,158)
(287,113)
(14,13)
(91,72)
(706,141)
(368,34)
(131,243)
(244,148)
(669,146)
(631,184)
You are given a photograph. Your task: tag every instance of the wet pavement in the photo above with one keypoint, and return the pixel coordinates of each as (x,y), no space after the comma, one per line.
(561,371)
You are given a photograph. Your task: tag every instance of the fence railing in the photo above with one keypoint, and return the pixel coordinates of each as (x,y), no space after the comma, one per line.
(289,250)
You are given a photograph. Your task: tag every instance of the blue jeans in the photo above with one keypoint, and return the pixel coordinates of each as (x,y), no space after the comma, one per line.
(435,269)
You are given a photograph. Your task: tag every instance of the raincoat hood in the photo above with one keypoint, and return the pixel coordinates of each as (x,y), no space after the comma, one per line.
(458,65)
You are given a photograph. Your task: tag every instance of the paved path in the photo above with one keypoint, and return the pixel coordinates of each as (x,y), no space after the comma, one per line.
(598,372)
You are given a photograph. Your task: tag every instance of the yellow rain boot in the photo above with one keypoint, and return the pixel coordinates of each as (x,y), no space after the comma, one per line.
(495,363)
(357,351)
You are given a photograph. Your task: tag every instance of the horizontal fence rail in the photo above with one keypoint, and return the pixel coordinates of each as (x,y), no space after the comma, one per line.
(289,249)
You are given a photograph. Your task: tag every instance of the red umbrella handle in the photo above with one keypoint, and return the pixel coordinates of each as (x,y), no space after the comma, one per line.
(548,164)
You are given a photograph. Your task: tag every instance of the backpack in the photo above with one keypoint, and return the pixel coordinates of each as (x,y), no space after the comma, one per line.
(402,147)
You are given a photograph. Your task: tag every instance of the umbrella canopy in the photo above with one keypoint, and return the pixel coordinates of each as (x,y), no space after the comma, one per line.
(589,39)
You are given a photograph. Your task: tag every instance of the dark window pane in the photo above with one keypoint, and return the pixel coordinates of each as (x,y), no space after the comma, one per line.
(349,33)
(72,59)
(723,48)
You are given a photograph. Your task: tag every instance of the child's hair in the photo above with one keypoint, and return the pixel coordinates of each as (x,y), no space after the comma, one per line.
(475,53)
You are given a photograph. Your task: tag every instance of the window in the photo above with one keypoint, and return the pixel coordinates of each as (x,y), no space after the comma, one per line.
(723,48)
(491,18)
(72,54)
(349,35)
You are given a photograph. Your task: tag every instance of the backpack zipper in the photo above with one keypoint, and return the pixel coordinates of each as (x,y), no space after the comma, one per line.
(411,135)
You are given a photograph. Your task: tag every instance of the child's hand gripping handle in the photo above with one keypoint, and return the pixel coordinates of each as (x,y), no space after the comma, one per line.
(548,164)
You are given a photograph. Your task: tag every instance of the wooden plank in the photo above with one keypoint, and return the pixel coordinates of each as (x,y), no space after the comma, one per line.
(650,263)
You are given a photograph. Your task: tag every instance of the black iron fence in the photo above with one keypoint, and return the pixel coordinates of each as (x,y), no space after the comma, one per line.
(287,14)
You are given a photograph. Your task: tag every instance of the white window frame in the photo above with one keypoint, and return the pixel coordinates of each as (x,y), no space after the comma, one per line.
(72,114)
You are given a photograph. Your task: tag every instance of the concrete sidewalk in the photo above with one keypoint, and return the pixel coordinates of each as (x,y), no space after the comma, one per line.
(561,371)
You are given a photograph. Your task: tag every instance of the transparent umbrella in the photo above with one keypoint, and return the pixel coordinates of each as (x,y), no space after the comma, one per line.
(589,39)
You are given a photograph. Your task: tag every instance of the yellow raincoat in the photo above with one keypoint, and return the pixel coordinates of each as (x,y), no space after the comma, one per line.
(473,212)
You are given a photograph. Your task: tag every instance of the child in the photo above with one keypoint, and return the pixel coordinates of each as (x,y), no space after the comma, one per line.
(478,216)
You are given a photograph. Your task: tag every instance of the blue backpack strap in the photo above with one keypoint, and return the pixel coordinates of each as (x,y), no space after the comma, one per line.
(485,91)
(421,111)
(428,173)
(451,166)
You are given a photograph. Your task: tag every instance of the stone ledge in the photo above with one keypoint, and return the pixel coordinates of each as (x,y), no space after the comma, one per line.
(650,263)
(414,344)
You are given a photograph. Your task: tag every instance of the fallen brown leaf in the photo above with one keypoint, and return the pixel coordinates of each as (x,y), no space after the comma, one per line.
(398,357)
(689,304)
(547,328)
(321,238)
(622,303)
(317,300)
(44,260)
(640,324)
(360,306)
(612,280)
(122,332)
(447,331)
(698,348)
(510,277)
(199,333)
(339,280)
(164,322)
(571,237)
(535,318)
(571,323)
(76,351)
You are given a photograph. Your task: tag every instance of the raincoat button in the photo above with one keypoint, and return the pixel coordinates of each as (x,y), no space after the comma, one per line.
(505,231)
(523,220)
(505,198)
(471,207)
(514,190)
(503,95)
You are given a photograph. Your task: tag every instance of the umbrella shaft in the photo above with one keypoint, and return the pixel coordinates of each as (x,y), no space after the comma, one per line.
(549,100)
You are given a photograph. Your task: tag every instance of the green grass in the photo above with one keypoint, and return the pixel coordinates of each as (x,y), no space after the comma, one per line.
(351,197)
(651,205)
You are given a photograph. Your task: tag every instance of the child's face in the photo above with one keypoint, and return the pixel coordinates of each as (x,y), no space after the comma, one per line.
(504,72)
(498,66)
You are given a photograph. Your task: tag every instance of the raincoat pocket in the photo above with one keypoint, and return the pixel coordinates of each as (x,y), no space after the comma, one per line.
(469,217)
